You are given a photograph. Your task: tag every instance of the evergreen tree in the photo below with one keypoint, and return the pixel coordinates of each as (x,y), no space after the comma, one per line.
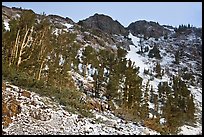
(132,90)
(177,57)
(22,31)
(151,95)
(98,79)
(158,70)
(112,87)
(190,109)
(178,105)
(87,56)
(156,105)
(121,53)
(160,90)
(3,27)
(145,105)
(154,53)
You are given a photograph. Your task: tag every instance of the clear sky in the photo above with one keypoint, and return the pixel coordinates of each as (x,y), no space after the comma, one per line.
(165,13)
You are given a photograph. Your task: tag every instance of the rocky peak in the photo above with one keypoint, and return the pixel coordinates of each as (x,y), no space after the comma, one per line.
(148,29)
(104,23)
(57,21)
(8,13)
(56,18)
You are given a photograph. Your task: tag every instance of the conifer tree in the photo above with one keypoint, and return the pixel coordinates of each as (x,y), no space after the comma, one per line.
(86,58)
(151,95)
(145,105)
(177,57)
(112,87)
(22,38)
(190,111)
(3,27)
(158,70)
(155,52)
(156,105)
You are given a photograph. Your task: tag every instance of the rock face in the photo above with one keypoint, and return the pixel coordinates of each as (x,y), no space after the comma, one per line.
(58,21)
(10,106)
(104,23)
(148,29)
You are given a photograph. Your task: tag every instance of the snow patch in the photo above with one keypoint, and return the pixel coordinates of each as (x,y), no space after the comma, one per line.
(68,25)
(6,25)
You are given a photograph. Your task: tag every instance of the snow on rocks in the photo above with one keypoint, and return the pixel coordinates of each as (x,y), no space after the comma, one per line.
(6,25)
(68,25)
(189,130)
(39,116)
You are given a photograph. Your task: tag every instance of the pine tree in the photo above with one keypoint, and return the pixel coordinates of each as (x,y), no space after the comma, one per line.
(158,70)
(177,57)
(121,53)
(3,27)
(22,32)
(179,106)
(86,58)
(155,105)
(171,115)
(44,46)
(112,87)
(151,95)
(132,91)
(190,110)
(155,52)
(145,105)
(160,90)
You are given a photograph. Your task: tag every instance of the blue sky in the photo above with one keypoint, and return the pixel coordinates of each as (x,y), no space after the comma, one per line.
(165,13)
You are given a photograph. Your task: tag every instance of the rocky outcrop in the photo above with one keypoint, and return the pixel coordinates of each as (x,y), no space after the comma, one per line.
(8,13)
(57,21)
(10,106)
(148,29)
(60,19)
(104,23)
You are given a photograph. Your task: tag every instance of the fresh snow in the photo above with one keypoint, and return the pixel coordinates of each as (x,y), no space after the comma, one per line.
(53,119)
(138,59)
(68,25)
(135,40)
(144,62)
(6,25)
(189,130)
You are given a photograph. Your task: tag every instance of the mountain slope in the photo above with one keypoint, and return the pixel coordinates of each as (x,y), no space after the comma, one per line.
(42,116)
(124,77)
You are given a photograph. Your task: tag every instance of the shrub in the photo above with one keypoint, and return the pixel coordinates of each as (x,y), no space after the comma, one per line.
(154,53)
(146,71)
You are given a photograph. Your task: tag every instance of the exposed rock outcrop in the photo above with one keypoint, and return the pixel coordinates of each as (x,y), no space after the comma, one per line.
(104,23)
(148,29)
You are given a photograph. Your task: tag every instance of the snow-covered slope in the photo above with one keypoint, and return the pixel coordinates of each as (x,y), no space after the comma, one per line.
(42,116)
(144,62)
